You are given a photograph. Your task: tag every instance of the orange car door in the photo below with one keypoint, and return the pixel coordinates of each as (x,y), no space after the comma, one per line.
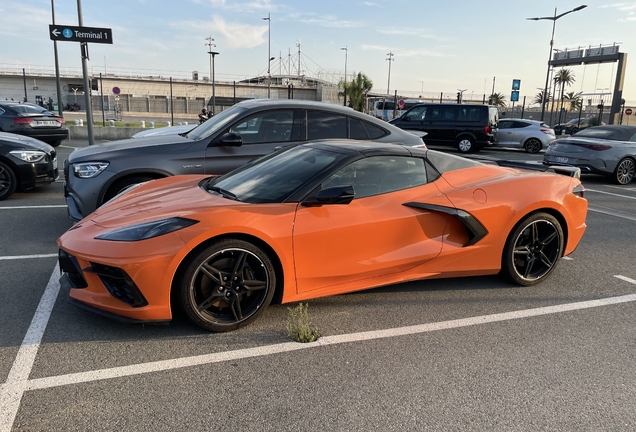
(375,234)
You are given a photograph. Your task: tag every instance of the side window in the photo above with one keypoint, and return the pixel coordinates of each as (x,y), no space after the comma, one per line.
(321,125)
(519,125)
(435,113)
(505,124)
(474,114)
(416,114)
(264,127)
(449,113)
(374,131)
(633,138)
(356,130)
(380,174)
(1,111)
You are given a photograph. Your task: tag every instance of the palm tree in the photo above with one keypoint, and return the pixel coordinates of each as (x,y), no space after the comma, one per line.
(498,100)
(357,91)
(538,98)
(574,99)
(563,77)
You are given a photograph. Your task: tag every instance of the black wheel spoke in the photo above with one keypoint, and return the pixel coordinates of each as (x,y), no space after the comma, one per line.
(235,307)
(212,273)
(208,302)
(521,250)
(254,285)
(529,264)
(545,260)
(535,233)
(548,239)
(238,265)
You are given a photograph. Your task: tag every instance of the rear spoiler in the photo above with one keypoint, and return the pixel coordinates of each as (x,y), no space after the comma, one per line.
(556,169)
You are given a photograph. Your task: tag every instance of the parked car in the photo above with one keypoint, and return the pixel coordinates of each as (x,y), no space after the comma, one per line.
(467,127)
(171,130)
(573,126)
(531,135)
(249,129)
(312,220)
(32,120)
(608,150)
(25,163)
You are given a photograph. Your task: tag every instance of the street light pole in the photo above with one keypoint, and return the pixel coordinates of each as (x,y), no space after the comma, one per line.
(547,75)
(212,54)
(269,55)
(390,59)
(345,79)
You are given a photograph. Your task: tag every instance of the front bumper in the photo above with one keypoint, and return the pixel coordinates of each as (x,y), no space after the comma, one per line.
(40,173)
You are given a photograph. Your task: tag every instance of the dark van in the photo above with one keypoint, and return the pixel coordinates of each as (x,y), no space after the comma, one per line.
(467,127)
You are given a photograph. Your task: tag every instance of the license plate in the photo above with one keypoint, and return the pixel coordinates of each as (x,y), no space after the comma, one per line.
(46,123)
(562,159)
(55,163)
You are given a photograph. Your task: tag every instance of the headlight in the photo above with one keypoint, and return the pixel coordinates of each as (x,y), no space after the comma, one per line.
(30,156)
(89,169)
(147,230)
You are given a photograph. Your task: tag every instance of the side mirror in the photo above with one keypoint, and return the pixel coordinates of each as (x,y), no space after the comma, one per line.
(332,195)
(231,139)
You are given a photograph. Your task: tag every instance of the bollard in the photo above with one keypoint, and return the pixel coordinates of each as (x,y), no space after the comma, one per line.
(77,122)
(111,123)
(168,124)
(185,123)
(152,125)
(142,124)
(179,124)
(81,122)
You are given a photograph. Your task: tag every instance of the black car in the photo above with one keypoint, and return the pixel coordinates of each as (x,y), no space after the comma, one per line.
(32,120)
(230,139)
(25,163)
(467,127)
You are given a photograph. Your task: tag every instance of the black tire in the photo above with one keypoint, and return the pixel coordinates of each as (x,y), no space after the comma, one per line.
(533,249)
(533,145)
(624,172)
(8,181)
(226,286)
(55,143)
(574,130)
(123,184)
(465,144)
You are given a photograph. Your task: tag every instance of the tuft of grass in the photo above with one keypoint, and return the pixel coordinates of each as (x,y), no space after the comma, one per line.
(299,327)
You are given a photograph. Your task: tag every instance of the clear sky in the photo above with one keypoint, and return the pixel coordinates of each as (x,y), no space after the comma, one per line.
(438,46)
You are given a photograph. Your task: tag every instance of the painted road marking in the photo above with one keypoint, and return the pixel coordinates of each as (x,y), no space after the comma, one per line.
(610,193)
(32,207)
(12,390)
(611,212)
(17,382)
(17,257)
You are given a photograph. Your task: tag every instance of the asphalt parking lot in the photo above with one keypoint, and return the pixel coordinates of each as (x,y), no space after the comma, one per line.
(457,354)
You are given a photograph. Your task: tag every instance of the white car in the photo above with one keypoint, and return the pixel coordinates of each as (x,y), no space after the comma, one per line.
(531,135)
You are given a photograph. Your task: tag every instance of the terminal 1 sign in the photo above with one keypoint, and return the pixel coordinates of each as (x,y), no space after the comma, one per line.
(80,34)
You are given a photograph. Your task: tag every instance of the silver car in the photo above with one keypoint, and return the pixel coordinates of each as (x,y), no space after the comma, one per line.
(608,150)
(531,135)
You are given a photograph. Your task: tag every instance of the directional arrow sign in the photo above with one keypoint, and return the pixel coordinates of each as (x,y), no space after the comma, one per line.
(80,34)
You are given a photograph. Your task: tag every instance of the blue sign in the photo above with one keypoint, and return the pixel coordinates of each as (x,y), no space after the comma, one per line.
(516,84)
(514,96)
(116,90)
(67,33)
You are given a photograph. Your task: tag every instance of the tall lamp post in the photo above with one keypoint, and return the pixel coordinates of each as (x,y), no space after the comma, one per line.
(345,80)
(212,54)
(269,54)
(547,75)
(390,59)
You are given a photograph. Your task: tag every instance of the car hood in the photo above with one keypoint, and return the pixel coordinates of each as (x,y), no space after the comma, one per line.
(159,199)
(127,144)
(171,130)
(22,142)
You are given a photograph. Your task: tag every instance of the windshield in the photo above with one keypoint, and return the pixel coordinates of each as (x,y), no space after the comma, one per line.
(274,177)
(604,133)
(216,123)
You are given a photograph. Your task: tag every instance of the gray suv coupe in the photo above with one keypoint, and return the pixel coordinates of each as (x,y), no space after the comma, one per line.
(230,139)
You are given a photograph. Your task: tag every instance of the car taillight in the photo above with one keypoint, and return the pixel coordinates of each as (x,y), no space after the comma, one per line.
(547,131)
(579,190)
(553,143)
(487,130)
(22,120)
(61,120)
(596,147)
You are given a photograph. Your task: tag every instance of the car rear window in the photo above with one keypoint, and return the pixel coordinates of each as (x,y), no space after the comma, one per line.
(600,133)
(323,125)
(374,131)
(28,109)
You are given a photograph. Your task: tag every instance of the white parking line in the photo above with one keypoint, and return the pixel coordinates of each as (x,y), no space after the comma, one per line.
(611,212)
(32,207)
(12,390)
(17,257)
(17,382)
(610,193)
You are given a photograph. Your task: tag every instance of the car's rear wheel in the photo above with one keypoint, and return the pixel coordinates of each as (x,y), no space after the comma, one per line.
(123,184)
(624,172)
(465,144)
(8,181)
(228,285)
(533,145)
(55,143)
(533,249)
(574,130)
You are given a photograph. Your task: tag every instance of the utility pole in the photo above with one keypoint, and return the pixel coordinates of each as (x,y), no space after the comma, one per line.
(87,87)
(212,54)
(345,78)
(269,54)
(390,59)
(57,67)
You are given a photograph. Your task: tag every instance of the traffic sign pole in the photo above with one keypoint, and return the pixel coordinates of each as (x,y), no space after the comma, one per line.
(87,88)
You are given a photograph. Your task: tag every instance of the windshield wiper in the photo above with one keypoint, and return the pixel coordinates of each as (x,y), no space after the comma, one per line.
(224,193)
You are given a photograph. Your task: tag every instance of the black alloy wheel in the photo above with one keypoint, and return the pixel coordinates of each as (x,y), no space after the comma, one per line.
(533,249)
(624,172)
(227,286)
(8,181)
(533,145)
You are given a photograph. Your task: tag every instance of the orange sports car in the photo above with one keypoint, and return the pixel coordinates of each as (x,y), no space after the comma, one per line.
(314,220)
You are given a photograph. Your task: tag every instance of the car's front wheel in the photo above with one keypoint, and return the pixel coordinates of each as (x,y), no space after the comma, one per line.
(533,145)
(8,181)
(533,249)
(227,285)
(624,172)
